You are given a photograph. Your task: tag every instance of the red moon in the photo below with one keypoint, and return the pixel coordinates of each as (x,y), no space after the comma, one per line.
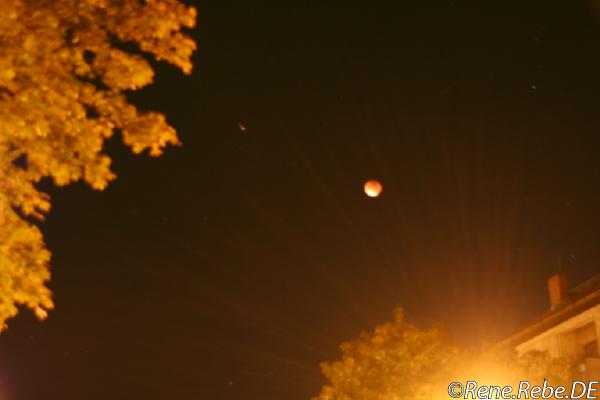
(373,188)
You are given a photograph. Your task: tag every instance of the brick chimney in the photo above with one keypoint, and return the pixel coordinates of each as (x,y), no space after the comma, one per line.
(557,289)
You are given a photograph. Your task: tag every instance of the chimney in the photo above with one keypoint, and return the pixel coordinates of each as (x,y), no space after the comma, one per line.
(557,289)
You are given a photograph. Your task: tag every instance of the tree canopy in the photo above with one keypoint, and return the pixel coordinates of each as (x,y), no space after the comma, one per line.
(398,361)
(65,68)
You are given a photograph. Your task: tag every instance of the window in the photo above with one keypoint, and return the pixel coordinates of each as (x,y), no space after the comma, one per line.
(591,349)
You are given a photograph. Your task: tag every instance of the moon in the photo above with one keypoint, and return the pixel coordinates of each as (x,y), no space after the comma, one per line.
(373,188)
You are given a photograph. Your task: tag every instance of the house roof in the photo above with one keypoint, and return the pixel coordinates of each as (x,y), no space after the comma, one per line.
(579,299)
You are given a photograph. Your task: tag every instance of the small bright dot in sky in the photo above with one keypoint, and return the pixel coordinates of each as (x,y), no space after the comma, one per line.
(242,127)
(373,188)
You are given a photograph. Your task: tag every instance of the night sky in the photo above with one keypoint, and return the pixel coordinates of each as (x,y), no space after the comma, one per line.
(231,266)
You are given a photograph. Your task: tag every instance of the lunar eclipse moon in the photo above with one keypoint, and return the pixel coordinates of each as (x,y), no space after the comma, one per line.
(373,188)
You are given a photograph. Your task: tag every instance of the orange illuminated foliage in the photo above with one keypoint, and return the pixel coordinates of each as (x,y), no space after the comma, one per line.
(398,361)
(63,78)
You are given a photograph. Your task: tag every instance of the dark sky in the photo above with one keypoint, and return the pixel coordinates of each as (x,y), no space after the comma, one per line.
(230,267)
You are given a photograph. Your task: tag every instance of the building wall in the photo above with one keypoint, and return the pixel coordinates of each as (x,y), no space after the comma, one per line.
(576,337)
